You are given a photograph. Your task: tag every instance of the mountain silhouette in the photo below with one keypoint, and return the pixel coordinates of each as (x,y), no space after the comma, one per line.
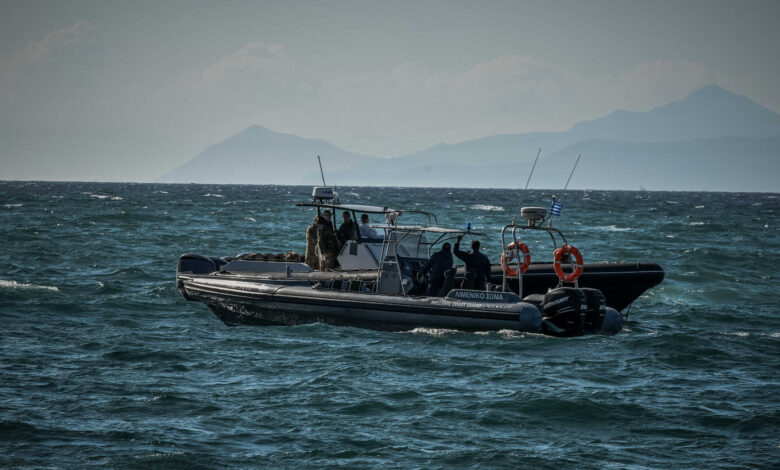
(258,155)
(712,139)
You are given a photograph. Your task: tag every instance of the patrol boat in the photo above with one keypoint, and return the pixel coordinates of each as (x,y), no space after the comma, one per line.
(377,285)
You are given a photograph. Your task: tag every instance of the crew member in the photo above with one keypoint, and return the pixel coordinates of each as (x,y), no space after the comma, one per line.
(365,228)
(477,264)
(439,263)
(347,229)
(311,257)
(327,243)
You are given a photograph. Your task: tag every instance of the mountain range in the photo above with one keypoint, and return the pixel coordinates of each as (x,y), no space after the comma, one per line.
(711,140)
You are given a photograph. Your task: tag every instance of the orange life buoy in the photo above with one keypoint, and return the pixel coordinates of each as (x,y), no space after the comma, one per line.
(508,256)
(559,254)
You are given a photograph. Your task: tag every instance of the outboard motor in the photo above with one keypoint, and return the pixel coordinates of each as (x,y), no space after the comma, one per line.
(563,311)
(597,307)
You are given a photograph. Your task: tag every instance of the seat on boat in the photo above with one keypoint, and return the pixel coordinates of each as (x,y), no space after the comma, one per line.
(449,282)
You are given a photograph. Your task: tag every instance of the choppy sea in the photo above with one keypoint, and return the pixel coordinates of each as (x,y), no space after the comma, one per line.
(103,363)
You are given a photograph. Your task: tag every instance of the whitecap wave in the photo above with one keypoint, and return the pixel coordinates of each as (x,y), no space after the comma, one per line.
(12,205)
(431,331)
(511,334)
(212,195)
(105,196)
(6,284)
(613,228)
(487,207)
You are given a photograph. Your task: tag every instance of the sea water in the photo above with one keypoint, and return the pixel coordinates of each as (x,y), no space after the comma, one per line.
(103,363)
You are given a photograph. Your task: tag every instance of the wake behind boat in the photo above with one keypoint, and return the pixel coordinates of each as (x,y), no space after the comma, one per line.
(378,284)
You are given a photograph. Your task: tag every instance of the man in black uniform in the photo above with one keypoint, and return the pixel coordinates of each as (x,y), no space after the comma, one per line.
(477,264)
(439,263)
(347,229)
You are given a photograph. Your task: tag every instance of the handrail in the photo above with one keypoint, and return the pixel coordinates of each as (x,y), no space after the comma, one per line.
(514,228)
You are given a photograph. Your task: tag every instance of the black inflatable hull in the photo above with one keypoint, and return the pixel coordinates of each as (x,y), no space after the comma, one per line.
(621,283)
(253,303)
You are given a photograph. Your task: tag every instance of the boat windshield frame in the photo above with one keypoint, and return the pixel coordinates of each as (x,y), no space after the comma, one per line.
(433,221)
(408,230)
(404,232)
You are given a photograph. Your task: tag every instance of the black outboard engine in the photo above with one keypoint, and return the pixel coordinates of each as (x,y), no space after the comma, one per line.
(597,307)
(563,311)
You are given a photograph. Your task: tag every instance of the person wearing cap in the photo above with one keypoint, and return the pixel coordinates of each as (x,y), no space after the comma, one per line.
(477,264)
(327,243)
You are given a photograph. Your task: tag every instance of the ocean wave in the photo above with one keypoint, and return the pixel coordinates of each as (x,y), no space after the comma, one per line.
(613,228)
(431,331)
(6,284)
(487,207)
(12,205)
(212,195)
(105,196)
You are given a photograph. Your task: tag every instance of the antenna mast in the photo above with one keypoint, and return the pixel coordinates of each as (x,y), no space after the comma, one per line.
(554,197)
(323,174)
(572,172)
(526,186)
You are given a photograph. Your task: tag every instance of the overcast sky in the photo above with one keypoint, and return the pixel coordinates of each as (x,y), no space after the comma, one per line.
(379,78)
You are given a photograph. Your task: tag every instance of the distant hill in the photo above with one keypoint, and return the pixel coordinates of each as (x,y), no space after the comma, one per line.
(717,164)
(258,155)
(711,140)
(706,113)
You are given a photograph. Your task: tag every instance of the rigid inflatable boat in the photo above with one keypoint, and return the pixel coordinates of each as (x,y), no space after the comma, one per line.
(378,285)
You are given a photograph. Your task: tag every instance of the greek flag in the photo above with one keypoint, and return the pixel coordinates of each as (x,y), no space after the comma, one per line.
(556,208)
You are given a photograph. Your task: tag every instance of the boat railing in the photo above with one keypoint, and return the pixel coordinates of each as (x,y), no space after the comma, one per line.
(513,229)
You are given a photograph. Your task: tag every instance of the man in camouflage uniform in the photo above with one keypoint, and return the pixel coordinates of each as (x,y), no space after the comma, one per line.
(311,257)
(327,243)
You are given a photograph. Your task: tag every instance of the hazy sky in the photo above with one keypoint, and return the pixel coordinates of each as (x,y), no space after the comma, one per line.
(161,80)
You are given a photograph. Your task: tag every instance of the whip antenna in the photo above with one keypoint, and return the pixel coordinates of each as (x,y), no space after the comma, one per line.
(556,205)
(323,174)
(572,172)
(526,186)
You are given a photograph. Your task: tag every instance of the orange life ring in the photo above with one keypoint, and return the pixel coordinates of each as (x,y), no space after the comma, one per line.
(508,256)
(559,254)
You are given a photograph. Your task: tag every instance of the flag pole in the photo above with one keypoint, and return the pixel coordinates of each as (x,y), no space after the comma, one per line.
(554,197)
